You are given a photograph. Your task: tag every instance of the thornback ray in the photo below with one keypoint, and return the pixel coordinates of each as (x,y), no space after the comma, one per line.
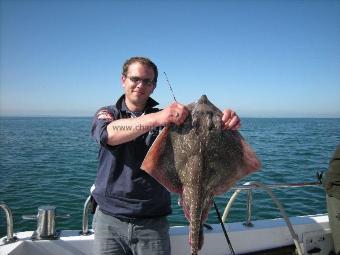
(199,160)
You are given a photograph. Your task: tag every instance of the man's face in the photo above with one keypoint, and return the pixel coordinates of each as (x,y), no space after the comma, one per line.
(138,84)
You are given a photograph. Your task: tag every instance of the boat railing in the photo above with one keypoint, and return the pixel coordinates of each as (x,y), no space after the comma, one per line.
(85,226)
(249,186)
(9,221)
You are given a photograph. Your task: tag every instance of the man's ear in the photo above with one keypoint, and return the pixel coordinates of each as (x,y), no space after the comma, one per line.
(122,79)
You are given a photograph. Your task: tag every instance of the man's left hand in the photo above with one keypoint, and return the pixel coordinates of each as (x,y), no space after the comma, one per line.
(230,120)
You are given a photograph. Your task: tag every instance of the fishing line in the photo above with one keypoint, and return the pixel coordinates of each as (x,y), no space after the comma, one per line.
(172,92)
(223,228)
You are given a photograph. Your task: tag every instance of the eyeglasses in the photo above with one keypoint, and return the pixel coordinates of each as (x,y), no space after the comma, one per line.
(137,80)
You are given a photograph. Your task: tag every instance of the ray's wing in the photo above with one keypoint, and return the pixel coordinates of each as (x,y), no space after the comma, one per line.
(245,165)
(160,164)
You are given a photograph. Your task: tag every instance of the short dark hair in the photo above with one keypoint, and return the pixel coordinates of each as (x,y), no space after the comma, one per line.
(143,61)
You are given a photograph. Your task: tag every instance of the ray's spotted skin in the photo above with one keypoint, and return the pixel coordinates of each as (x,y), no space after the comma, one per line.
(199,159)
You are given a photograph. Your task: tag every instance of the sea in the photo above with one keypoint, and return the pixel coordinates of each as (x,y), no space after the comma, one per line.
(53,161)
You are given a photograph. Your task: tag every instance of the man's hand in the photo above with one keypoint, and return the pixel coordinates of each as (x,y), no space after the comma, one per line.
(230,120)
(174,113)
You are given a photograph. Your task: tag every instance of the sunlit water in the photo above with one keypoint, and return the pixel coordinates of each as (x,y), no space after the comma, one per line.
(53,161)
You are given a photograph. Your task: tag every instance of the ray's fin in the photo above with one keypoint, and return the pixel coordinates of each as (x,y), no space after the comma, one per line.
(158,164)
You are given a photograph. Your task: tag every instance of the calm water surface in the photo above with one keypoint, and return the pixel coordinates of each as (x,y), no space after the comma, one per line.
(53,161)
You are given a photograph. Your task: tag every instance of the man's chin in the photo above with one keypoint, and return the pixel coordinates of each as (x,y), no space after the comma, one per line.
(139,100)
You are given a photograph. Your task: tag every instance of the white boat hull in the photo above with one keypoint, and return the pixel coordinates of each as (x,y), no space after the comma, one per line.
(313,232)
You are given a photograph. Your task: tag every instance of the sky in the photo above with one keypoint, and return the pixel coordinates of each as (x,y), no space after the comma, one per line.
(261,58)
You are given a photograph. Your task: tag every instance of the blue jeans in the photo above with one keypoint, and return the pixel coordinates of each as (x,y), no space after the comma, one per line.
(134,237)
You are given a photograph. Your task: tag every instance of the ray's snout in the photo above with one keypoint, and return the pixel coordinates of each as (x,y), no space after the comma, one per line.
(203,99)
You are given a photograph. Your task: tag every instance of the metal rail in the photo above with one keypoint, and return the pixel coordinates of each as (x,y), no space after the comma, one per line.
(85,227)
(9,221)
(249,186)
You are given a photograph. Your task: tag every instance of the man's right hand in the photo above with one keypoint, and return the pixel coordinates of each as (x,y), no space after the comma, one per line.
(174,113)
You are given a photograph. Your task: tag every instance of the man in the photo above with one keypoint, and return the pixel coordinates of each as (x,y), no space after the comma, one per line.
(332,185)
(132,206)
